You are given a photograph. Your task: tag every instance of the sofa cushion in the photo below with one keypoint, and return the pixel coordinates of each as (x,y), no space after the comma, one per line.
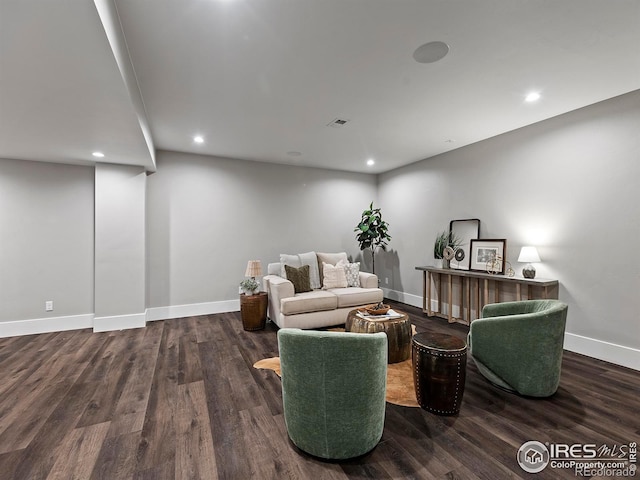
(311,259)
(297,260)
(291,260)
(334,276)
(299,277)
(314,301)
(353,296)
(331,259)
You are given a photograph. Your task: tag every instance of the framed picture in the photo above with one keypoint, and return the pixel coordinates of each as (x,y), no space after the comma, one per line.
(488,255)
(463,231)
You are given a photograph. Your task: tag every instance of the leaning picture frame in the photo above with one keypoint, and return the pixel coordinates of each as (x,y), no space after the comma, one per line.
(464,231)
(488,255)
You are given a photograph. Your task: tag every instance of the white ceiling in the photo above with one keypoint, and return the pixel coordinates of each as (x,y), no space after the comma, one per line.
(260,78)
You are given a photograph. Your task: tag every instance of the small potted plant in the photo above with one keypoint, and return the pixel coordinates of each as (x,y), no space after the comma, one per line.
(444,240)
(249,286)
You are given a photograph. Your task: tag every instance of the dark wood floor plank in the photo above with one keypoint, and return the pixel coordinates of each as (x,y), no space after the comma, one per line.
(308,466)
(78,452)
(411,430)
(117,457)
(131,409)
(107,394)
(27,408)
(180,399)
(157,446)
(24,361)
(165,471)
(9,462)
(398,465)
(43,451)
(99,360)
(195,456)
(228,438)
(257,425)
(189,360)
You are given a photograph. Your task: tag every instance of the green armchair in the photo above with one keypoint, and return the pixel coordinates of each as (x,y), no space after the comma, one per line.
(333,390)
(518,345)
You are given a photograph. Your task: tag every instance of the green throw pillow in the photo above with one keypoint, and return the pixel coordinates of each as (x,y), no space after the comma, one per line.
(299,277)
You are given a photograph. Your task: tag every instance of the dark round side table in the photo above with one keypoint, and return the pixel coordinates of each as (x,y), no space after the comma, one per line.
(439,371)
(253,309)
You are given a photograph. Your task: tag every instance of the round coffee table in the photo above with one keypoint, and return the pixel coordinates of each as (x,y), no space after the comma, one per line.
(398,332)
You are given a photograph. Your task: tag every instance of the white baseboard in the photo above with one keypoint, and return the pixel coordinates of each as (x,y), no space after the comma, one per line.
(115,322)
(416,301)
(119,322)
(609,352)
(408,298)
(46,325)
(591,347)
(192,310)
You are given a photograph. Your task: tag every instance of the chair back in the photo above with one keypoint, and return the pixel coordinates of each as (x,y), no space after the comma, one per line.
(519,345)
(333,390)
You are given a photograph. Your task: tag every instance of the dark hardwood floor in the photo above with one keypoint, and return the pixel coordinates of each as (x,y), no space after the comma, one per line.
(180,400)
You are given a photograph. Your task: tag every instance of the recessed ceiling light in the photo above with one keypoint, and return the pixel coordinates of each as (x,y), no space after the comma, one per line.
(98,154)
(532,97)
(431,52)
(294,154)
(198,139)
(371,162)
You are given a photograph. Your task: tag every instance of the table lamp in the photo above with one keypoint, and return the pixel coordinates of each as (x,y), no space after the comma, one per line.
(528,255)
(254,269)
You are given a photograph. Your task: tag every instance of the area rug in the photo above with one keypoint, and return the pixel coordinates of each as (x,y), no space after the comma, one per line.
(400,390)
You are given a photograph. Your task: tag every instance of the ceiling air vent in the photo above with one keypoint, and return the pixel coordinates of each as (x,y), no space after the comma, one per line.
(337,123)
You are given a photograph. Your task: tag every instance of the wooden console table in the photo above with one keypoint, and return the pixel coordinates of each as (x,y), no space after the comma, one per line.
(481,284)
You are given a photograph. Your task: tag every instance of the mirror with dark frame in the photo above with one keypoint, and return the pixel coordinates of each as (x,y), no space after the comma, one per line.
(464,230)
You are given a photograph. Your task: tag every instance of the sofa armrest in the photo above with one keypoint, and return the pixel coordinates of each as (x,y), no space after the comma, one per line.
(277,288)
(368,280)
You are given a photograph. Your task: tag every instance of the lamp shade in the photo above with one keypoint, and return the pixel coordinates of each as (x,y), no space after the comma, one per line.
(254,268)
(529,255)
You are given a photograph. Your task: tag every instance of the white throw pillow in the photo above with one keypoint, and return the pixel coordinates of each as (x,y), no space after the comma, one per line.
(334,276)
(352,272)
(330,258)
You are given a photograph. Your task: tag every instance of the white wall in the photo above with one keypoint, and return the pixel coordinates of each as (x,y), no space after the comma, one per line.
(120,258)
(568,185)
(46,240)
(208,216)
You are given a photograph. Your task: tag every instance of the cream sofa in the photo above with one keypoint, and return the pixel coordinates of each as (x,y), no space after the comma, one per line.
(320,307)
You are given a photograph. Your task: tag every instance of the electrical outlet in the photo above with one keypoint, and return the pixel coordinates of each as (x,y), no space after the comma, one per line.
(48,306)
(386,280)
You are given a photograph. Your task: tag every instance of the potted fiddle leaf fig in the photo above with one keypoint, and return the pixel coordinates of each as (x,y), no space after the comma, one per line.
(372,232)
